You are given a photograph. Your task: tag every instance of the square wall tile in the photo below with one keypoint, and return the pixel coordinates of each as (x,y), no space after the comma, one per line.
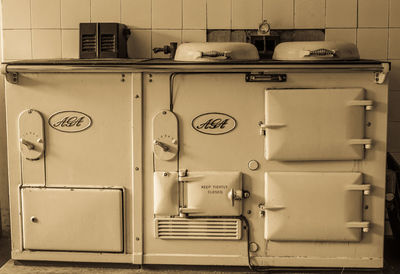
(106,11)
(74,12)
(372,43)
(373,13)
(194,36)
(219,15)
(194,14)
(139,44)
(341,13)
(167,14)
(136,13)
(394,43)
(278,13)
(46,14)
(17,44)
(393,137)
(46,44)
(346,35)
(394,13)
(246,14)
(394,106)
(394,83)
(16,14)
(309,14)
(70,43)
(160,38)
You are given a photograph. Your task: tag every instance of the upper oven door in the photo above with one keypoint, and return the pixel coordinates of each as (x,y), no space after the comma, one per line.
(218,121)
(315,124)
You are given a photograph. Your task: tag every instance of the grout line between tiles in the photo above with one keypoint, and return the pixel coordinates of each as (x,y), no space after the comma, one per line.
(61,31)
(90,11)
(30,10)
(206,25)
(181,21)
(325,19)
(151,29)
(388,33)
(294,14)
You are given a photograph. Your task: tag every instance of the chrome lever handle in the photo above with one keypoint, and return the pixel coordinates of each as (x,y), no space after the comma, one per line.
(162,145)
(28,144)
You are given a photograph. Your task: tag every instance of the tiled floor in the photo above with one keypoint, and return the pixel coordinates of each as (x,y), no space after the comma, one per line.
(392,266)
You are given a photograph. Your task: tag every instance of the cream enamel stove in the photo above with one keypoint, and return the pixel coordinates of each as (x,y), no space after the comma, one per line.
(216,158)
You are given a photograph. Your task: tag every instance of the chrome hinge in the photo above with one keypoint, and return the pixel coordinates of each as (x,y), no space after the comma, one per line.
(262,128)
(380,77)
(12,77)
(262,209)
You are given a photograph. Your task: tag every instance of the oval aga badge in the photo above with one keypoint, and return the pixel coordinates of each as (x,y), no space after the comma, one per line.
(214,123)
(70,121)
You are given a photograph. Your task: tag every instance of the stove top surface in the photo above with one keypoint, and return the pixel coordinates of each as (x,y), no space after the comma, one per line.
(139,62)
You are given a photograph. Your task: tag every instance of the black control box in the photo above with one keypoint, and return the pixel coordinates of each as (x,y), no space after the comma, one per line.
(103,40)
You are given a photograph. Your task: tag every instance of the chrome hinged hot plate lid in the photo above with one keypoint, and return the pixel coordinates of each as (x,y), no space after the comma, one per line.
(216,51)
(316,50)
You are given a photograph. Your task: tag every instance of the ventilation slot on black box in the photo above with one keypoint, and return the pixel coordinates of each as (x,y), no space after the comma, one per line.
(89,43)
(108,43)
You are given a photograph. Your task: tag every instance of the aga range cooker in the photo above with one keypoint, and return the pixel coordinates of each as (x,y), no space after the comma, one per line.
(216,158)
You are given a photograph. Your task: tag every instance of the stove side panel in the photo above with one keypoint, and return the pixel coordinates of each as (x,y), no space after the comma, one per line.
(99,156)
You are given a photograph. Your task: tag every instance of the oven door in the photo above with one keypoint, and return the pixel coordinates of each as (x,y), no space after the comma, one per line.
(218,130)
(315,124)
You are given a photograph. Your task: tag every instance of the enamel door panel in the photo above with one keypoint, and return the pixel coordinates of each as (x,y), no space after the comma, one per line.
(72,219)
(166,194)
(212,193)
(315,124)
(314,206)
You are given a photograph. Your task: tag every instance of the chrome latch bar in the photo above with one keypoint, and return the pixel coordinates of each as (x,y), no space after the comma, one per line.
(366,142)
(263,126)
(368,104)
(365,188)
(363,225)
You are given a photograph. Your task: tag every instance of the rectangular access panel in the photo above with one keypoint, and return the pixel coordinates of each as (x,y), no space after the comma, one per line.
(314,206)
(315,124)
(212,193)
(72,219)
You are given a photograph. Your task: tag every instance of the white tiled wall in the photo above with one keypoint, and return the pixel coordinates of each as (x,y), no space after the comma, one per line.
(309,14)
(49,28)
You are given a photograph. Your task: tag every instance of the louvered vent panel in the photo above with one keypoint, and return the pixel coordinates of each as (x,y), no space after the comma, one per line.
(212,229)
(89,43)
(108,43)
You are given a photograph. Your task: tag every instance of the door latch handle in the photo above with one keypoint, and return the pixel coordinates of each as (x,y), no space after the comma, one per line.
(237,195)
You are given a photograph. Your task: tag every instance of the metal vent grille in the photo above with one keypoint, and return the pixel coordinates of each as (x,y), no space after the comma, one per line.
(212,229)
(89,42)
(108,43)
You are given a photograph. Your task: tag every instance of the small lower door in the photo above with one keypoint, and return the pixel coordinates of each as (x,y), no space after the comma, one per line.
(72,219)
